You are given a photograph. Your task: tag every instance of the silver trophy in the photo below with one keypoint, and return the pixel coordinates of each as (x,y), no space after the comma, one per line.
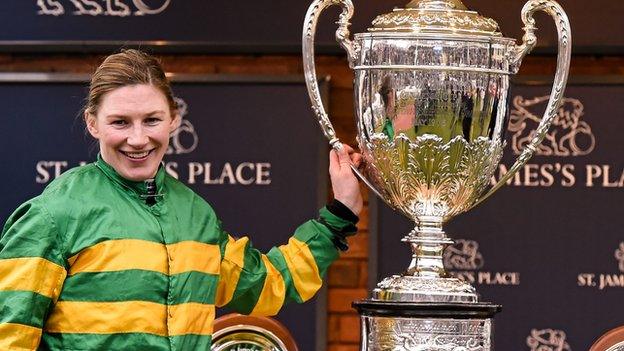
(431,86)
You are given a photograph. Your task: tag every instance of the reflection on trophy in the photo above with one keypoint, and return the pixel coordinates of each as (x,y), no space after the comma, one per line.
(431,87)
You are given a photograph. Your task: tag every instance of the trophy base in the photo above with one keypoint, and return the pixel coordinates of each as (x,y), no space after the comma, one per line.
(425,326)
(402,288)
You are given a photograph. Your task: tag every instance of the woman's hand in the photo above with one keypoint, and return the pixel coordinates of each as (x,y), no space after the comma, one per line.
(344,182)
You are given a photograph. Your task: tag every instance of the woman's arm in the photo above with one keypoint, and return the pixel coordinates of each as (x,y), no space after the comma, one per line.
(32,272)
(259,284)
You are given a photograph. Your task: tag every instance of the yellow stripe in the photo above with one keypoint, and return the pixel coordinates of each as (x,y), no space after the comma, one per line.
(31,274)
(194,256)
(272,296)
(19,337)
(191,318)
(119,255)
(231,267)
(302,267)
(108,317)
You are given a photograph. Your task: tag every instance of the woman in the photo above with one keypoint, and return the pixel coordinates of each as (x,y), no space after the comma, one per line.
(118,255)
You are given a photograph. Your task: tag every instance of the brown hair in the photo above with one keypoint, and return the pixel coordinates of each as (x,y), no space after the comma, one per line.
(128,67)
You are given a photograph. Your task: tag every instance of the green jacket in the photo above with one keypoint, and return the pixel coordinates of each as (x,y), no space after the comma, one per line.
(88,265)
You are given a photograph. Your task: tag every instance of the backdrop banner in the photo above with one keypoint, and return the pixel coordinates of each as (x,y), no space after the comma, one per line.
(250,147)
(549,246)
(261,26)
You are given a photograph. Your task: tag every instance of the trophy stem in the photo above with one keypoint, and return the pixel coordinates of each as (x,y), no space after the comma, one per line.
(428,242)
(426,280)
(427,261)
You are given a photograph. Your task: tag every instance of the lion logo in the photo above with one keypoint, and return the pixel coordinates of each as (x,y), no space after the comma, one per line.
(548,340)
(102,7)
(619,255)
(569,135)
(184,139)
(463,255)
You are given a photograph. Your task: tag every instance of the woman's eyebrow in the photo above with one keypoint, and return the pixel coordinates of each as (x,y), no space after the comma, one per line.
(156,112)
(115,115)
(123,115)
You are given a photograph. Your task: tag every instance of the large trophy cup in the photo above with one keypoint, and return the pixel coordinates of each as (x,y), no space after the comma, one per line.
(431,85)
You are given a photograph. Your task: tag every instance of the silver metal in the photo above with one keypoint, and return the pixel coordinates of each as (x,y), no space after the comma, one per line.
(409,288)
(430,68)
(342,35)
(617,347)
(430,90)
(431,86)
(419,334)
(247,337)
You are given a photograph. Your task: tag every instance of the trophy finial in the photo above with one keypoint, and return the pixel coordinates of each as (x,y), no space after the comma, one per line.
(437,4)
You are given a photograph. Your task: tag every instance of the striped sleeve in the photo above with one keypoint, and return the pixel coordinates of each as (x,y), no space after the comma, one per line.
(260,284)
(31,275)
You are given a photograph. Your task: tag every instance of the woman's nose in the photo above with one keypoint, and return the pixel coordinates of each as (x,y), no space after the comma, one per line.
(138,137)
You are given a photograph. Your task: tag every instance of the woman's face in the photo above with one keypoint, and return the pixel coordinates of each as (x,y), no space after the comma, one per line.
(132,125)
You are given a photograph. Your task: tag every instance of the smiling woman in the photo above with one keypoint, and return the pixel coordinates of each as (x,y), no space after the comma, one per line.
(132,112)
(133,126)
(119,255)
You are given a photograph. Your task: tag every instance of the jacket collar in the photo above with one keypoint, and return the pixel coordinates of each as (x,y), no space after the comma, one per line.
(139,187)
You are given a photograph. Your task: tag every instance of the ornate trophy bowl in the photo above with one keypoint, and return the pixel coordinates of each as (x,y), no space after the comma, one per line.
(431,88)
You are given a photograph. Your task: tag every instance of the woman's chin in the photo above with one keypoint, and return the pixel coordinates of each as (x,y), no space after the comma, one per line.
(139,175)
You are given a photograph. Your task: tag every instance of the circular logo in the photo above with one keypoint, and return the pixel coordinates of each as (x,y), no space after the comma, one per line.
(152,7)
(184,139)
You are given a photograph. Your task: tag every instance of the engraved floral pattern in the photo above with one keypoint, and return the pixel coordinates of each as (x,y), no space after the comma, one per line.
(403,334)
(430,177)
(414,19)
(426,285)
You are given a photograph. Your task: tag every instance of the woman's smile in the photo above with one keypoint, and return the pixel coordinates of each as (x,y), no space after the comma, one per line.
(137,155)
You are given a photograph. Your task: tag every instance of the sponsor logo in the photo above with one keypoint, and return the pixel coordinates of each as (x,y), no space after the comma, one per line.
(605,280)
(116,8)
(619,255)
(548,340)
(568,135)
(183,140)
(464,255)
(465,262)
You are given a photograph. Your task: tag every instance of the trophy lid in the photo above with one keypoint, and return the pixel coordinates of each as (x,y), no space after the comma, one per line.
(436,17)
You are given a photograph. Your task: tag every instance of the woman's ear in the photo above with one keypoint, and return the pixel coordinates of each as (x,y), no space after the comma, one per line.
(90,121)
(175,123)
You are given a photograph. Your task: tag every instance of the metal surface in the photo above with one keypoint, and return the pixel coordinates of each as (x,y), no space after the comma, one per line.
(431,84)
(436,16)
(617,347)
(423,334)
(409,288)
(246,337)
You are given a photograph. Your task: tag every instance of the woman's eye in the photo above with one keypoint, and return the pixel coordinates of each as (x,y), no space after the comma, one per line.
(152,120)
(118,122)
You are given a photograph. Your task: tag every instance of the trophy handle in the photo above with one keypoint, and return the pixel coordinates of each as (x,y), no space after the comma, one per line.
(561,77)
(353,51)
(342,35)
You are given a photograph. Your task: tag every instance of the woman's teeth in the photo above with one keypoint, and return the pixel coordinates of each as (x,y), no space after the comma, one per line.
(136,155)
